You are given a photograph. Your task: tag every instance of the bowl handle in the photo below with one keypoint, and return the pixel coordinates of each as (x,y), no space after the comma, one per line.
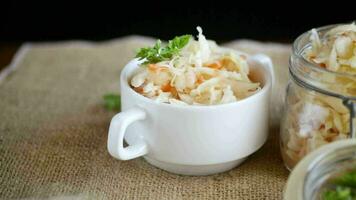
(265,61)
(118,126)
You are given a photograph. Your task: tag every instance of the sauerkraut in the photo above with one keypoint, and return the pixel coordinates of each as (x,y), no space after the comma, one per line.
(336,51)
(314,119)
(202,73)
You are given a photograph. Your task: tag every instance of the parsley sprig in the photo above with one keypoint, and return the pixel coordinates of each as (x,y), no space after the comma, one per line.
(112,102)
(344,187)
(157,53)
(152,55)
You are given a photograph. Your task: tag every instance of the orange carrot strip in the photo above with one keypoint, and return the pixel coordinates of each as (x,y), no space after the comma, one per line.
(215,65)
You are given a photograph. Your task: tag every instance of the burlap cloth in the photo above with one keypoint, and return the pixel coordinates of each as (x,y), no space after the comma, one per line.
(53,131)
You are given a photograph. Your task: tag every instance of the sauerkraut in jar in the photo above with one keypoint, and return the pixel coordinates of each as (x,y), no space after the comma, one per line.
(322,91)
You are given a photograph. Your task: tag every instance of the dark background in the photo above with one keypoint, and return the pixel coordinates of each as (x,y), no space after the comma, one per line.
(220,20)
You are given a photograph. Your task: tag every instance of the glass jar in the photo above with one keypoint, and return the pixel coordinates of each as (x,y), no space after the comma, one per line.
(312,176)
(319,105)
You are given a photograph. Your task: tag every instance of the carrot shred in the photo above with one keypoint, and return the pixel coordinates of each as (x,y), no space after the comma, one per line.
(166,88)
(322,65)
(215,65)
(139,89)
(152,67)
(200,78)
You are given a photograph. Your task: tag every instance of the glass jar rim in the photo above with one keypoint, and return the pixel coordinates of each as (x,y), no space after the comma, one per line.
(303,72)
(295,187)
(297,52)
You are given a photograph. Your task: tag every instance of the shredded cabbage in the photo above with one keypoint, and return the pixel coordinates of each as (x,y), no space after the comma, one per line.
(314,119)
(336,51)
(201,74)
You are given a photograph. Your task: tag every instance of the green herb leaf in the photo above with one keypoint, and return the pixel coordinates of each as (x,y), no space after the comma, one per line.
(340,193)
(343,187)
(112,102)
(348,179)
(158,53)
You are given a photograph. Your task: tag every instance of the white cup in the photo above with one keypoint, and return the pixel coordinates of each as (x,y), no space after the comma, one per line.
(191,140)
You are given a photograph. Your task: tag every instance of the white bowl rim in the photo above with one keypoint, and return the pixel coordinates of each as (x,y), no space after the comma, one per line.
(135,64)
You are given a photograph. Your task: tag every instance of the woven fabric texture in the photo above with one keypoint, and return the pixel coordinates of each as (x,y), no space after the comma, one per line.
(53,131)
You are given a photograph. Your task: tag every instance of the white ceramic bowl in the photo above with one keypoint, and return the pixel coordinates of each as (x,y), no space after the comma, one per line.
(191,140)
